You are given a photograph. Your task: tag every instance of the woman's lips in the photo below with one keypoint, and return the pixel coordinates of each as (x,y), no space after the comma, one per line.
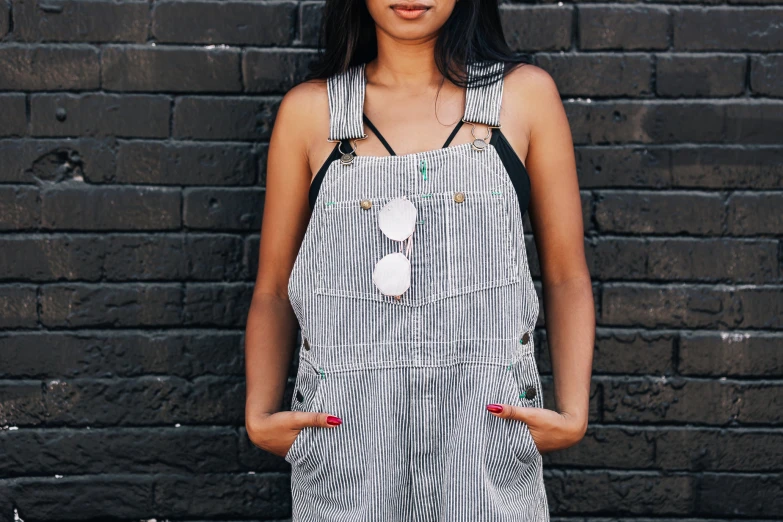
(409,12)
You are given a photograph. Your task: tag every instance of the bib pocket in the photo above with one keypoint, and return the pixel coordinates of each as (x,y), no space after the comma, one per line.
(462,243)
(306,397)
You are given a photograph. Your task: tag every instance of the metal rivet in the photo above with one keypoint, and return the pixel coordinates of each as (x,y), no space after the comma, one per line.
(366,204)
(525,338)
(530,392)
(299,396)
(459,197)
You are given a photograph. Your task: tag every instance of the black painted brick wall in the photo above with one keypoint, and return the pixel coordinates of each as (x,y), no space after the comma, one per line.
(132,158)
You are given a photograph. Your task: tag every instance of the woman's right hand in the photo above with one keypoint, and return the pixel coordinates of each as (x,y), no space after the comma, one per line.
(276,432)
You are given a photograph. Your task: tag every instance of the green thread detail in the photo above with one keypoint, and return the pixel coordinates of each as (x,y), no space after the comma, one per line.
(321,371)
(426,195)
(509,366)
(522,395)
(423,168)
(420,222)
(521,341)
(496,192)
(329,203)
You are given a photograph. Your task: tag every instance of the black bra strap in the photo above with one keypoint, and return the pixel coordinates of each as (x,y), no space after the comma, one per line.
(380,137)
(453,133)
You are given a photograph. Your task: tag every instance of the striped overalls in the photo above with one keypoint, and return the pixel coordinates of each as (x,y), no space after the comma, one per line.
(411,377)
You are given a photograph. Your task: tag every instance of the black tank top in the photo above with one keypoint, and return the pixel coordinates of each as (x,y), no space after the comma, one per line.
(516,169)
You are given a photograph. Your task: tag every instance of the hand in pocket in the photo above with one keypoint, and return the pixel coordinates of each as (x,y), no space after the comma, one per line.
(549,429)
(277,432)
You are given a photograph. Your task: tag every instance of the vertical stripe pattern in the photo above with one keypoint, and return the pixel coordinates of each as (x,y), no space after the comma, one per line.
(482,103)
(411,378)
(346,103)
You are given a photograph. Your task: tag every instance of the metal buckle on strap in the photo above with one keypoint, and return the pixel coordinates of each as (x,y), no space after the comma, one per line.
(346,158)
(480,144)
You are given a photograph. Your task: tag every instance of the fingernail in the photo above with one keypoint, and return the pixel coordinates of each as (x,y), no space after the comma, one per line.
(334,421)
(495,408)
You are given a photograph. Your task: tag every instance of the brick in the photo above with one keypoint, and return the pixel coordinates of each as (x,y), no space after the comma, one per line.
(623,493)
(170,69)
(82,498)
(624,352)
(201,257)
(749,495)
(144,401)
(129,115)
(605,167)
(680,75)
(623,28)
(727,28)
(617,258)
(609,447)
(262,153)
(310,23)
(766,74)
(223,495)
(118,450)
(231,22)
(79,21)
(649,122)
(50,258)
(728,167)
(274,71)
(691,306)
(537,28)
(757,122)
(64,354)
(743,449)
(659,212)
(737,354)
(12,107)
(655,400)
(22,403)
(753,213)
(719,260)
(111,208)
(50,68)
(159,163)
(223,209)
(35,161)
(18,306)
(217,304)
(230,118)
(598,74)
(252,253)
(19,208)
(5,17)
(110,305)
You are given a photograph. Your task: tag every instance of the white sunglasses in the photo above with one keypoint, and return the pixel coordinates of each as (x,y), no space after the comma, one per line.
(392,273)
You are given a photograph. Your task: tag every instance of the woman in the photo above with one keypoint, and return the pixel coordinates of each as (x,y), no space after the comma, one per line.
(401,255)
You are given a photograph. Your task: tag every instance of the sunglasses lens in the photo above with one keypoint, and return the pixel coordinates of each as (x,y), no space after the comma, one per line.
(397,219)
(392,274)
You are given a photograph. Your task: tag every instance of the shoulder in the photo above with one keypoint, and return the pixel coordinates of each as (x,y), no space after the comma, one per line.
(304,110)
(530,94)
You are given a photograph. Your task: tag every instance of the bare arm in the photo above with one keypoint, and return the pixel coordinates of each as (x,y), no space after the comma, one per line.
(556,215)
(270,333)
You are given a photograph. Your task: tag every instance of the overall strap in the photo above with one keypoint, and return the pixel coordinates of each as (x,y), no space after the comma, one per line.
(346,104)
(482,103)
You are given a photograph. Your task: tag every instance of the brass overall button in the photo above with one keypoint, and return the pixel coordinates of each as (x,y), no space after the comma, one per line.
(299,396)
(366,204)
(525,338)
(459,197)
(530,392)
(306,344)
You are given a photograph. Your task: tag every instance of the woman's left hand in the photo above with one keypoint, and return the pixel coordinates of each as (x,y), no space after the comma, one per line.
(550,430)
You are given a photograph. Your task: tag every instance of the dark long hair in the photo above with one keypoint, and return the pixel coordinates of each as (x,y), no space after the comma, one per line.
(473,33)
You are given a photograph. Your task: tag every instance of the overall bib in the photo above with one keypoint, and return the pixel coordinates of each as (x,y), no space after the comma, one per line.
(411,377)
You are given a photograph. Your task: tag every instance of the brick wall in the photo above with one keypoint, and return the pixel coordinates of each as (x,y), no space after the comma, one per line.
(132,155)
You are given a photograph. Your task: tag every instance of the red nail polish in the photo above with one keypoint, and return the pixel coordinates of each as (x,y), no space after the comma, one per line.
(334,421)
(495,408)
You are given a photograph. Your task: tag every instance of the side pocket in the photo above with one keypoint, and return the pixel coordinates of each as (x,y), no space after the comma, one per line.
(306,397)
(523,385)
